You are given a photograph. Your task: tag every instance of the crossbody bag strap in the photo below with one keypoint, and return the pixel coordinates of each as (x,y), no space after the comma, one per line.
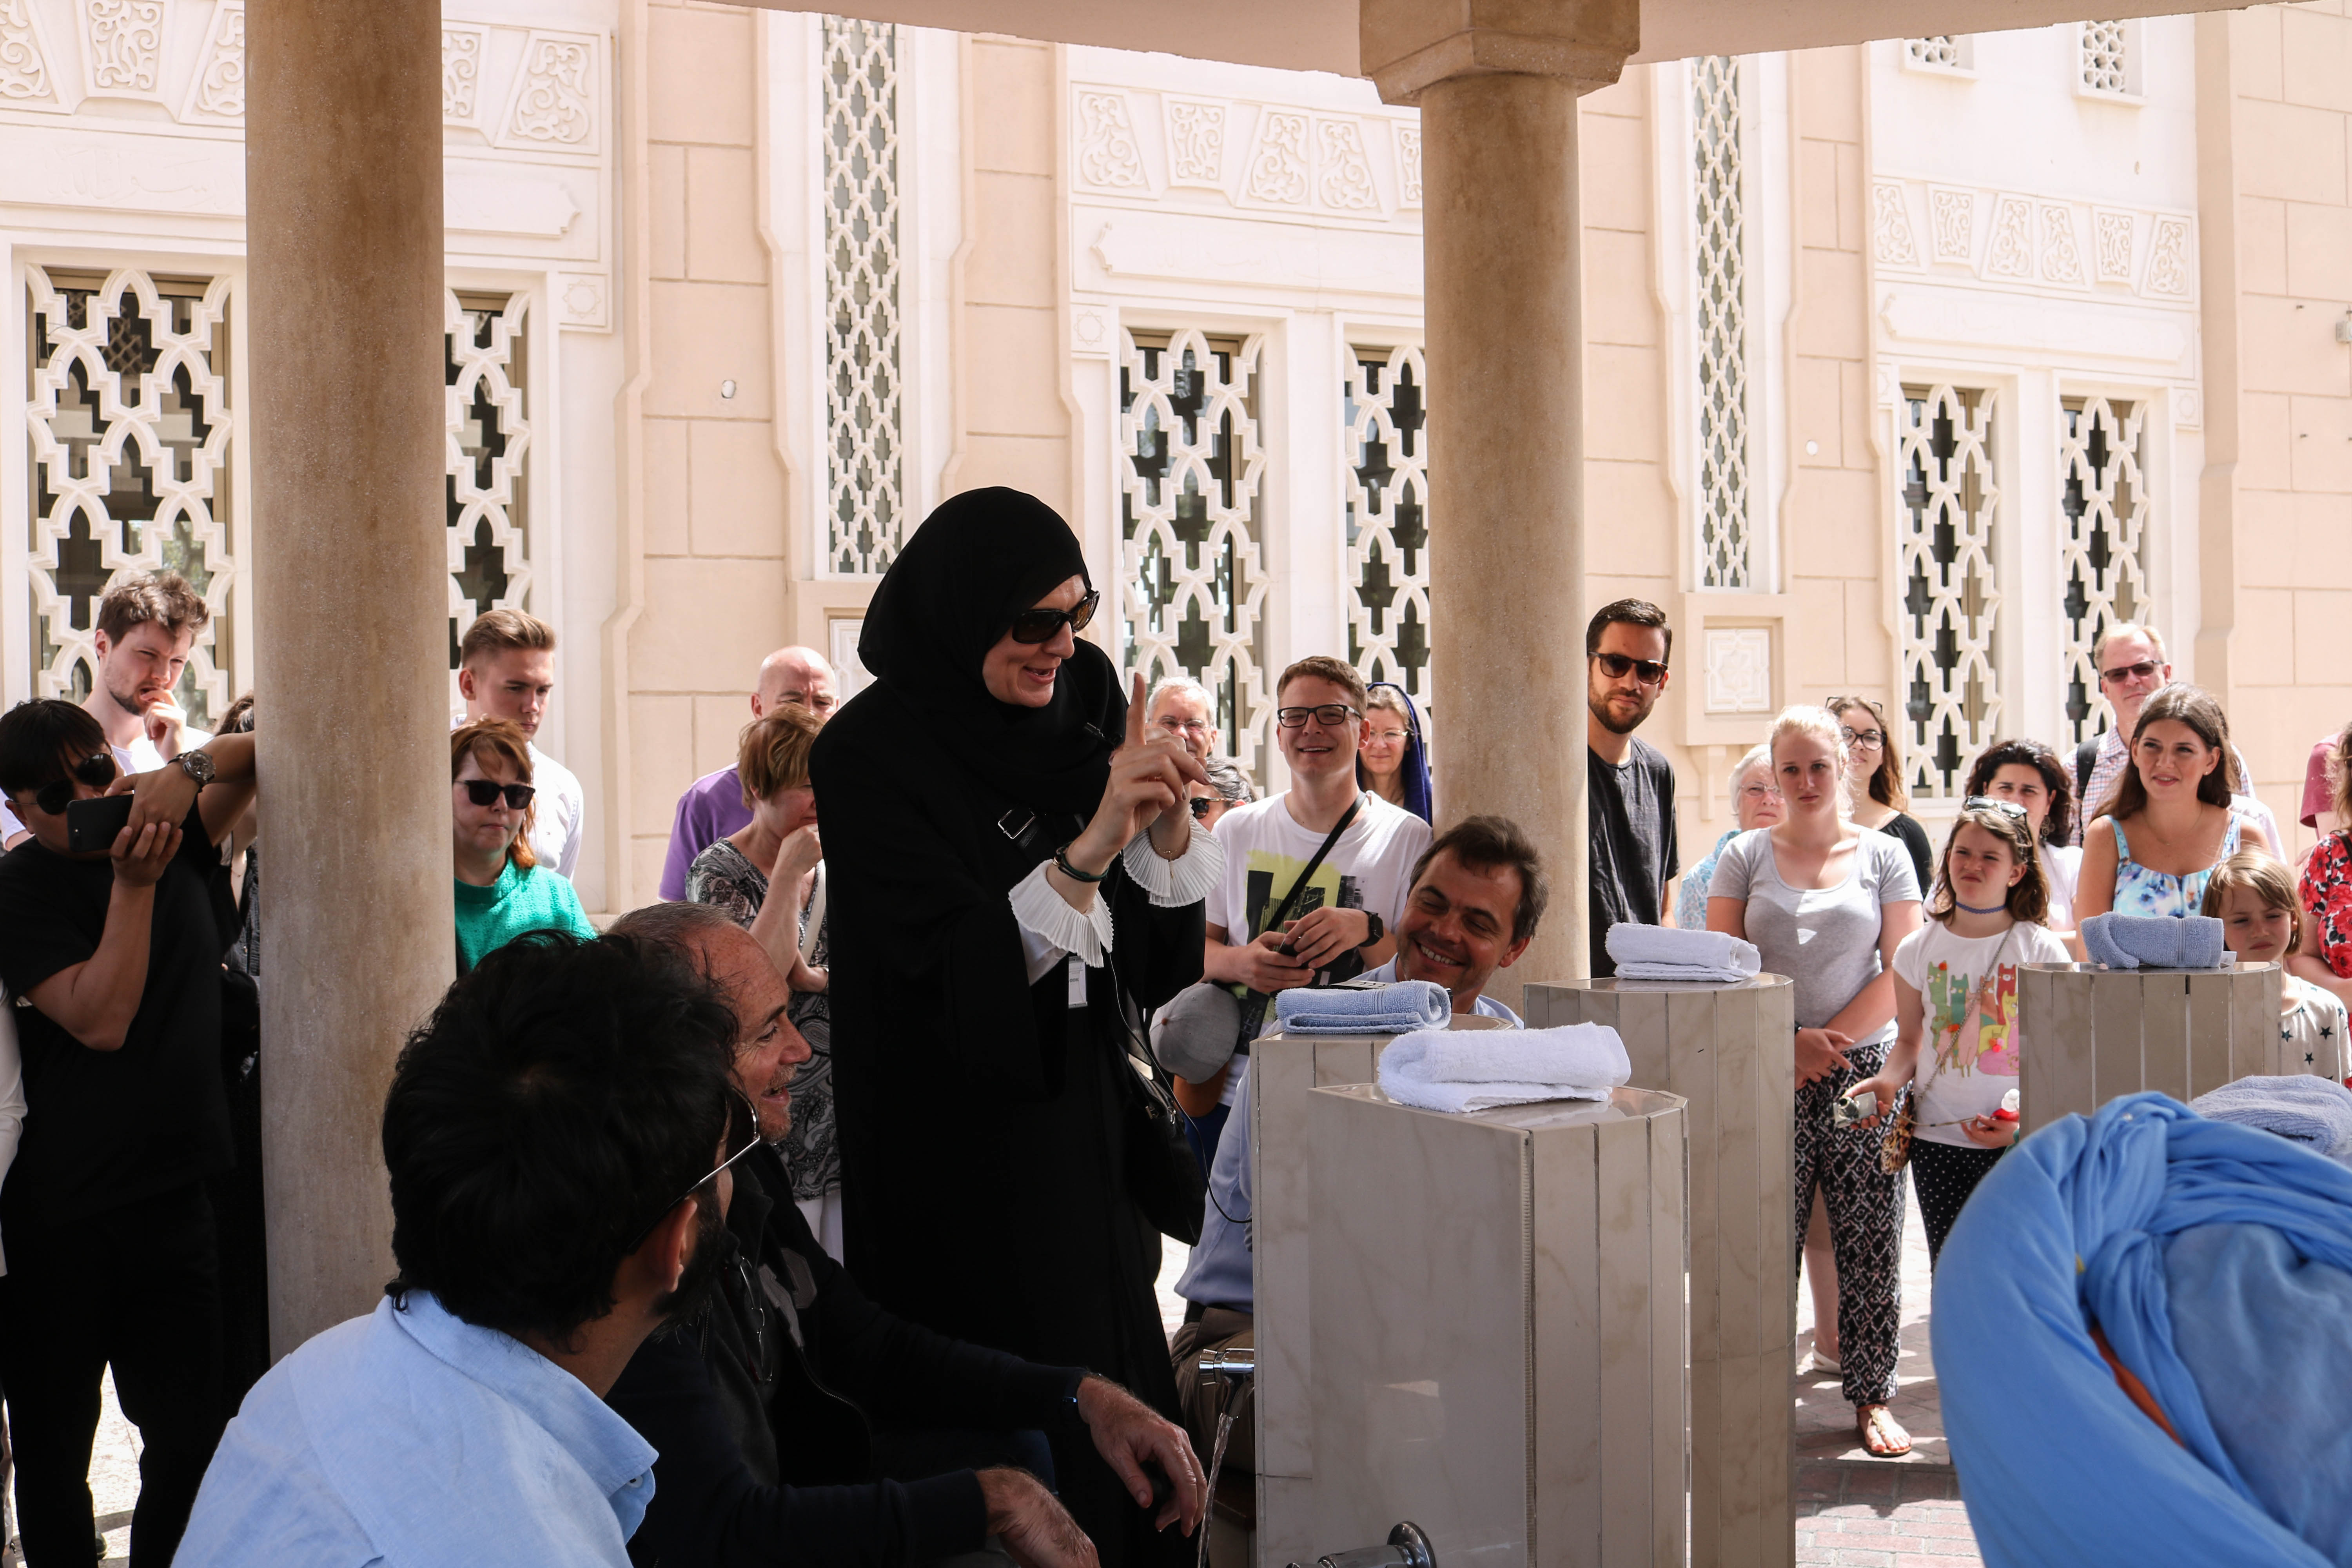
(1253,1008)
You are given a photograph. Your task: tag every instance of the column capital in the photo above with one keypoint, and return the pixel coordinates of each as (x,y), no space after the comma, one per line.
(1409,44)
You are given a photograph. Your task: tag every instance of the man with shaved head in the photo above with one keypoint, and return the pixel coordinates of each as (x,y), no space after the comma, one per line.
(797,1422)
(712,807)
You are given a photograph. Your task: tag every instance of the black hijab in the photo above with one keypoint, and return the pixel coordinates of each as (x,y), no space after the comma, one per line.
(977,560)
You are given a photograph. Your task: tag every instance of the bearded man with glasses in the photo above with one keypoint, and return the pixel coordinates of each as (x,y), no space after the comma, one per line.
(1629,784)
(112,955)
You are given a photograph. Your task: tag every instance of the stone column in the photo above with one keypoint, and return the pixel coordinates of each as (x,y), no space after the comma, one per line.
(344,230)
(1496,82)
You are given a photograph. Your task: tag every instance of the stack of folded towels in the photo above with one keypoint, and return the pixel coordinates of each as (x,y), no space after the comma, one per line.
(1669,953)
(2156,942)
(2314,1111)
(1437,1070)
(1391,1009)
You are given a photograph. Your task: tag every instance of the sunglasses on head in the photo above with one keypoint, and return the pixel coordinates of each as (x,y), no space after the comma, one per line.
(97,770)
(485,792)
(1615,665)
(1987,802)
(742,1137)
(1033,627)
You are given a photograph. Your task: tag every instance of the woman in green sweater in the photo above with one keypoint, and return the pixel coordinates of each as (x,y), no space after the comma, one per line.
(502,891)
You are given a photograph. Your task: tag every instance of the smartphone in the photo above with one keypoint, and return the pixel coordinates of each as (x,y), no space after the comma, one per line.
(93,825)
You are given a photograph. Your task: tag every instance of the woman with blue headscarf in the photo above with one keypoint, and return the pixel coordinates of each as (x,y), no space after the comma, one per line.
(1393,761)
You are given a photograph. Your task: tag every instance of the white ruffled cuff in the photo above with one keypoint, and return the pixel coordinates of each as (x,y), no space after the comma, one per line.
(1186,879)
(1036,907)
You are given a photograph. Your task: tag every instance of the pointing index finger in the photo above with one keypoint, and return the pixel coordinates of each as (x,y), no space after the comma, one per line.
(1135,712)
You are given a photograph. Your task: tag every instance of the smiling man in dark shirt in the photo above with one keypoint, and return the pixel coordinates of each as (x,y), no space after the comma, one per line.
(1629,784)
(113,960)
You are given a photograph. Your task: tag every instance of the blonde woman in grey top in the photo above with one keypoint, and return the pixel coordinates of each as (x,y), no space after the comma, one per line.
(1827,904)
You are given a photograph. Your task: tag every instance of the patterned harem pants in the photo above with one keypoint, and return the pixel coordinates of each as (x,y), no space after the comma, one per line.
(1865,1215)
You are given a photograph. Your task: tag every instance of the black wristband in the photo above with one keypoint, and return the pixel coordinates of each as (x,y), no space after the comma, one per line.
(1379,929)
(1062,860)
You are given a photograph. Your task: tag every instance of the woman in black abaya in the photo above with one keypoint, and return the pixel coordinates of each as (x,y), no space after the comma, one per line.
(993,863)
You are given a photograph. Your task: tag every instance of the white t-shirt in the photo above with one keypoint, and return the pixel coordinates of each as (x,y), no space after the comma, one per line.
(562,818)
(139,757)
(1370,868)
(2062,864)
(1968,992)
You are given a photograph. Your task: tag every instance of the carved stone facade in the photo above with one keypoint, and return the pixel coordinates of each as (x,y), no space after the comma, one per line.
(865,516)
(1948,699)
(1386,451)
(489,441)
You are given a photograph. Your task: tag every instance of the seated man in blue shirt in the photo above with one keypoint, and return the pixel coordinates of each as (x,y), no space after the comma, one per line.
(800,1423)
(1476,896)
(558,1135)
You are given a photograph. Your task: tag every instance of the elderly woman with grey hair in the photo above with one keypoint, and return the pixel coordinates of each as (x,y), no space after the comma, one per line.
(1755,803)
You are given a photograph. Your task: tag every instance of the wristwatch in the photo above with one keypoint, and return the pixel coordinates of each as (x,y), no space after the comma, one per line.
(1379,929)
(197,765)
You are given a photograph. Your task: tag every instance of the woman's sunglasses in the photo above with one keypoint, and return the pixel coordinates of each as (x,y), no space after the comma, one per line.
(1033,627)
(485,792)
(97,770)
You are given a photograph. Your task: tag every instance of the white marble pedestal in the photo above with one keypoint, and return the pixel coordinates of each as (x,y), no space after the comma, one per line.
(2093,1033)
(1497,1316)
(1726,1050)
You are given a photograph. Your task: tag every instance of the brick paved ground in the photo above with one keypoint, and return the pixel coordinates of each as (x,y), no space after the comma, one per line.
(1873,1514)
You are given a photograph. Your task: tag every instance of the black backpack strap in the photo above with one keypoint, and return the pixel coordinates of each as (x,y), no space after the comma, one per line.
(2087,757)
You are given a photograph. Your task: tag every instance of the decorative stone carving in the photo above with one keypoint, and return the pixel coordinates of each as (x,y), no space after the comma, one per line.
(122,48)
(1090,330)
(1891,238)
(865,520)
(1108,155)
(583,301)
(131,426)
(2062,258)
(2104,512)
(1408,156)
(1385,451)
(1738,669)
(461,73)
(2112,244)
(1951,54)
(487,440)
(1278,171)
(2188,409)
(1192,585)
(1196,142)
(2011,253)
(2170,274)
(1951,224)
(217,89)
(555,97)
(1344,183)
(2106,64)
(1721,228)
(24,64)
(1950,693)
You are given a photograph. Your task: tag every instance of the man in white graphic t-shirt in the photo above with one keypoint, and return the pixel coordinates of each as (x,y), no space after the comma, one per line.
(506,670)
(147,624)
(1351,903)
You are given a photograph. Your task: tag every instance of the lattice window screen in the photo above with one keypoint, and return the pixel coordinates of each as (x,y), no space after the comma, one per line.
(2106,62)
(1941,51)
(1724,542)
(864,515)
(486,445)
(2101,543)
(1951,693)
(1388,517)
(1192,585)
(127,406)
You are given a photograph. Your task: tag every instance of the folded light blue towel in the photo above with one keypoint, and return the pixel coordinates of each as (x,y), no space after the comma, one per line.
(2154,941)
(2313,1111)
(1394,1009)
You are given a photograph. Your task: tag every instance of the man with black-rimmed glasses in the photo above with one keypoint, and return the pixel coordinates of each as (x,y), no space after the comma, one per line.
(1629,784)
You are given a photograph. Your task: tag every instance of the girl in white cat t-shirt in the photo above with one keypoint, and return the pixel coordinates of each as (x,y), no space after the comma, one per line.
(1957,1041)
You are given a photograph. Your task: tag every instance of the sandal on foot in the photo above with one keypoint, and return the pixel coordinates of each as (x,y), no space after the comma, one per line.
(1820,1365)
(1880,1432)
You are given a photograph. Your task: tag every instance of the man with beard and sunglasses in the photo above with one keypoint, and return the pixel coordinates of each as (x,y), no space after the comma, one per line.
(1629,784)
(148,623)
(112,957)
(561,1137)
(799,1422)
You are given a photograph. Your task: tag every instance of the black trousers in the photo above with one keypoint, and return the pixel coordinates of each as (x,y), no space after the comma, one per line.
(1944,1175)
(137,1287)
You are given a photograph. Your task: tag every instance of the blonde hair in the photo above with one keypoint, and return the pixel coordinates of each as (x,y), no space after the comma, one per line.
(1804,719)
(2266,877)
(773,753)
(1756,757)
(488,740)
